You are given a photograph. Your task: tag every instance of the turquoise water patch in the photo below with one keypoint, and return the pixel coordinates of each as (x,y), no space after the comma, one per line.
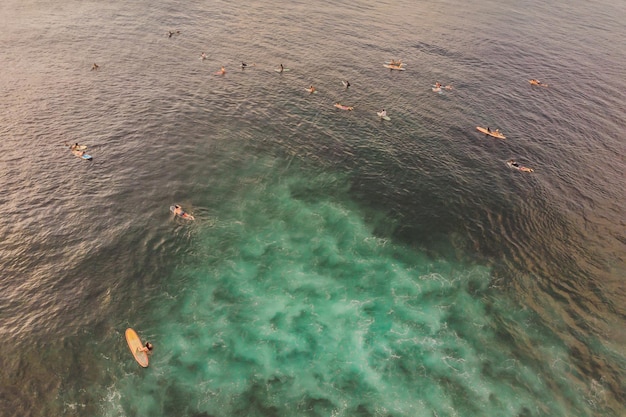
(289,305)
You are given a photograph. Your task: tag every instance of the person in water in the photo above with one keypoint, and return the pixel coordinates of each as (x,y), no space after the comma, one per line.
(383,113)
(222,71)
(95,66)
(147,348)
(281,68)
(203,56)
(178,210)
(488,129)
(243,65)
(347,84)
(311,89)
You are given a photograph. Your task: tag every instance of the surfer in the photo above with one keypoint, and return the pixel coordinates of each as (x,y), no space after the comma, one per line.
(512,163)
(347,84)
(147,348)
(342,107)
(488,129)
(311,89)
(382,113)
(178,210)
(243,65)
(78,152)
(95,66)
(203,56)
(281,68)
(222,71)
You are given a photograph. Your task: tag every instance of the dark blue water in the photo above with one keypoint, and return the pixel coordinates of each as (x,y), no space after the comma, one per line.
(339,265)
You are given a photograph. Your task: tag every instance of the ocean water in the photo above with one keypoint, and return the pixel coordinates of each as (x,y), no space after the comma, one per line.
(338,265)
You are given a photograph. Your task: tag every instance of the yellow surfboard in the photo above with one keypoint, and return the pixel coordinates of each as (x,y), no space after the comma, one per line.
(134,344)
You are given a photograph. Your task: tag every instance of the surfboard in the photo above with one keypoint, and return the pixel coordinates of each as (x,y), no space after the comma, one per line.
(437,89)
(183,214)
(283,70)
(342,107)
(134,343)
(219,73)
(393,67)
(492,133)
(311,91)
(397,65)
(383,117)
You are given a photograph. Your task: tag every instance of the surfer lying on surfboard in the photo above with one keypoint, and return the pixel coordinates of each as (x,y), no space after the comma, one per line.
(342,107)
(439,86)
(515,165)
(494,133)
(178,211)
